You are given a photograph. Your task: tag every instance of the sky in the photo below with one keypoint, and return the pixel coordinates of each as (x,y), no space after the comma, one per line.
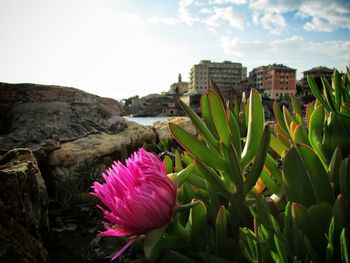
(123,48)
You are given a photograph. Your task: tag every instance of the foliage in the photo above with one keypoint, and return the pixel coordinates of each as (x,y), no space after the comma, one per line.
(237,203)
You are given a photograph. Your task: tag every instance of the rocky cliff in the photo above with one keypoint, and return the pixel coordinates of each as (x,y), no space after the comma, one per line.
(42,117)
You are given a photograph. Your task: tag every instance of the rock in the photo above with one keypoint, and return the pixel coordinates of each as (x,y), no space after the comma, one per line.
(151,105)
(23,208)
(42,117)
(65,160)
(162,127)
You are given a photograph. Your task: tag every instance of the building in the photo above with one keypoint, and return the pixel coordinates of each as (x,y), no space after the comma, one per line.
(274,81)
(227,76)
(179,88)
(316,73)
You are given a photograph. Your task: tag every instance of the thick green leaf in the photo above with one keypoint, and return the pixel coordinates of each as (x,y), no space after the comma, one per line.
(296,110)
(213,178)
(330,245)
(215,87)
(336,82)
(315,90)
(270,183)
(197,181)
(237,106)
(199,125)
(221,231)
(288,232)
(318,177)
(279,116)
(277,146)
(321,214)
(300,135)
(296,180)
(151,245)
(344,179)
(336,135)
(273,169)
(316,127)
(282,136)
(183,175)
(340,213)
(258,161)
(334,168)
(305,223)
(235,133)
(344,247)
(206,113)
(309,110)
(256,122)
(249,244)
(196,221)
(310,250)
(281,250)
(234,172)
(168,164)
(219,116)
(328,93)
(178,161)
(197,148)
(287,119)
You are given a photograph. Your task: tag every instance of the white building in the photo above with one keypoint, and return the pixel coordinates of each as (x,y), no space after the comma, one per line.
(227,75)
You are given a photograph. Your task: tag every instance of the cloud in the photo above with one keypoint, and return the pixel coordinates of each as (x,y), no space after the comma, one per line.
(325,15)
(239,48)
(273,22)
(292,43)
(211,14)
(318,15)
(184,14)
(315,15)
(221,2)
(335,49)
(338,50)
(222,15)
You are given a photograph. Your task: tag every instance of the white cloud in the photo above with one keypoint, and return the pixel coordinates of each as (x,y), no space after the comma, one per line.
(292,43)
(274,22)
(184,14)
(222,15)
(239,48)
(334,50)
(325,15)
(221,2)
(211,14)
(319,15)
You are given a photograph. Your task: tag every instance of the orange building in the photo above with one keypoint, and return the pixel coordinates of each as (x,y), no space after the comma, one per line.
(275,81)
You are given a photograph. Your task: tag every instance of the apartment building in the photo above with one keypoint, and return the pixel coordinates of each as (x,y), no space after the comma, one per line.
(227,75)
(316,73)
(274,81)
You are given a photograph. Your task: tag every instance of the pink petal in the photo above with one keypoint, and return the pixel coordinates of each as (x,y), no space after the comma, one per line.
(128,244)
(117,232)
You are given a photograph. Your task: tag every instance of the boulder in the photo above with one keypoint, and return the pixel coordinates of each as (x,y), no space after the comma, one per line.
(23,208)
(162,127)
(65,160)
(42,117)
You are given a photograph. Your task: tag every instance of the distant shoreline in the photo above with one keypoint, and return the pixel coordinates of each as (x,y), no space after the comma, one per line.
(146,120)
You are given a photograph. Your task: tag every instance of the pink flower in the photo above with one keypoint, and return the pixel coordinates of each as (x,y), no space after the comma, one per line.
(138,197)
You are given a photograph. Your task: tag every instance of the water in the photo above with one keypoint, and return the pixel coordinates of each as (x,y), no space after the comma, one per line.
(146,120)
